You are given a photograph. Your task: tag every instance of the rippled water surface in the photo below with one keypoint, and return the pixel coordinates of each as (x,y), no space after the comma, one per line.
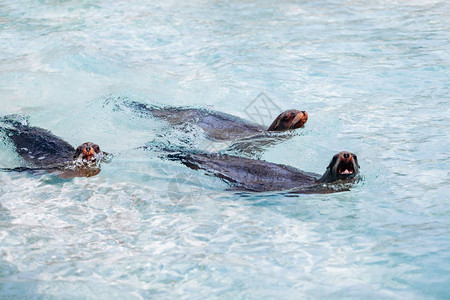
(373,76)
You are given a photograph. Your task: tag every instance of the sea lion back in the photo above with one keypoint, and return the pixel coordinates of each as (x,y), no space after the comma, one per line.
(35,145)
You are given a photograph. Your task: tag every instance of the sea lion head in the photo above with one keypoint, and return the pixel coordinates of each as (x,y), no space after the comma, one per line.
(87,152)
(343,166)
(290,119)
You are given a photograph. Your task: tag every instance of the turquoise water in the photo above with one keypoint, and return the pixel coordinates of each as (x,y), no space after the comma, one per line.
(374,78)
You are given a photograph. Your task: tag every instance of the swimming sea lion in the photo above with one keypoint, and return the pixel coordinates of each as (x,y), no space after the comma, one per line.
(217,125)
(45,151)
(262,176)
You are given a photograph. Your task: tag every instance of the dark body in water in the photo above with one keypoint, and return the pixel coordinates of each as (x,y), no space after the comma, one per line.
(42,150)
(261,176)
(217,125)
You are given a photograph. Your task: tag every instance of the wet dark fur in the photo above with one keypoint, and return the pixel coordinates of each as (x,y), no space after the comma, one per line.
(43,151)
(217,125)
(258,175)
(37,146)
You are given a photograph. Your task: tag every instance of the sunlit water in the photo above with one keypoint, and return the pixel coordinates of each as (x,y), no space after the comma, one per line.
(374,78)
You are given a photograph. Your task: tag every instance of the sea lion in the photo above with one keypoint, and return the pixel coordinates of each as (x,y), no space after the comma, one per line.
(217,125)
(42,150)
(262,176)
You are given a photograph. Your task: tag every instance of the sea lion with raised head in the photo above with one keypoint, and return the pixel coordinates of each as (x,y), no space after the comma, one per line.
(262,176)
(42,150)
(217,125)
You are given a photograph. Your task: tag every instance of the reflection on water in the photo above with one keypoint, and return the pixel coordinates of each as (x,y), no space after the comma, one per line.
(373,78)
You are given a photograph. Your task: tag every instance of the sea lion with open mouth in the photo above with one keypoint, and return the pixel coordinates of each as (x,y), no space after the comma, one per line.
(262,176)
(217,125)
(45,151)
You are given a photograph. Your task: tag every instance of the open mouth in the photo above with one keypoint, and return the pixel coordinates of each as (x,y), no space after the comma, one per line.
(89,158)
(345,168)
(87,154)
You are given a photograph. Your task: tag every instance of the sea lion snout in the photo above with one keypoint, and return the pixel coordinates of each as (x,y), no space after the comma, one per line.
(87,151)
(346,165)
(290,119)
(299,120)
(343,166)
